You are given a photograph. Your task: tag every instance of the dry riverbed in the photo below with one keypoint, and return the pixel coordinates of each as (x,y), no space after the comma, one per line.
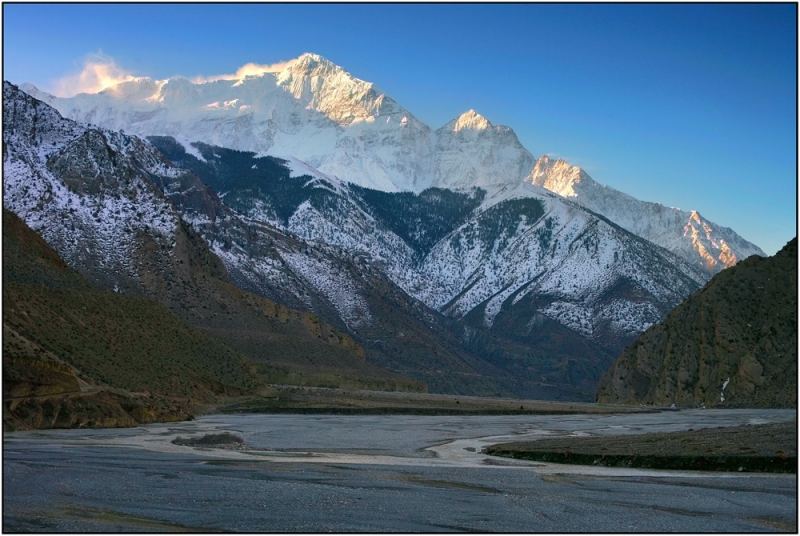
(267,472)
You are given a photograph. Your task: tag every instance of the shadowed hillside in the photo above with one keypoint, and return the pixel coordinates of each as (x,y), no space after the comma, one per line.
(732,344)
(77,355)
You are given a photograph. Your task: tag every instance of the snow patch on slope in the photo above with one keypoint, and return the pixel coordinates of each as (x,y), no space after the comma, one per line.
(190,149)
(85,229)
(337,287)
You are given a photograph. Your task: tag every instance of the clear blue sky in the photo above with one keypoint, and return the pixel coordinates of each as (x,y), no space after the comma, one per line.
(690,105)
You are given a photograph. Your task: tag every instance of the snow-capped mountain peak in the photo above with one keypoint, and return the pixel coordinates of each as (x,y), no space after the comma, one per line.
(142,89)
(325,87)
(705,244)
(471,120)
(315,111)
(557,176)
(29,88)
(470,151)
(311,62)
(37,93)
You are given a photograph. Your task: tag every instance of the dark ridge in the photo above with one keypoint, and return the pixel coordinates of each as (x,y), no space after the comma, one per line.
(731,344)
(423,219)
(754,448)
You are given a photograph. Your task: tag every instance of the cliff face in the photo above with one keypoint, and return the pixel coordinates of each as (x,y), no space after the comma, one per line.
(731,344)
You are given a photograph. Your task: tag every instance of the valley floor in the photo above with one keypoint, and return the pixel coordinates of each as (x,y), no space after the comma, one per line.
(294,399)
(378,473)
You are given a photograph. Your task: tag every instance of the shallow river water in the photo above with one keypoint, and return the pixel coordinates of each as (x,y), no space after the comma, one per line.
(319,473)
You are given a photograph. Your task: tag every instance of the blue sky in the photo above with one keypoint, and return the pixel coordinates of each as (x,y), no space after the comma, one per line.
(690,105)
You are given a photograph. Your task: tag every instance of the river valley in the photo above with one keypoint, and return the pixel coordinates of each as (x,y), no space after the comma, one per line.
(377,473)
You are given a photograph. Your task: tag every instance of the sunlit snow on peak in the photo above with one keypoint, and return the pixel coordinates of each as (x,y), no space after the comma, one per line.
(471,120)
(703,243)
(158,96)
(311,57)
(557,176)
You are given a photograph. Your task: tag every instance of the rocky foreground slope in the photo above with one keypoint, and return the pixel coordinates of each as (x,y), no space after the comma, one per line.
(77,355)
(731,344)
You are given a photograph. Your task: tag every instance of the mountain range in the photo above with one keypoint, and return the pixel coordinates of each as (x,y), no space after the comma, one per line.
(453,257)
(316,112)
(116,210)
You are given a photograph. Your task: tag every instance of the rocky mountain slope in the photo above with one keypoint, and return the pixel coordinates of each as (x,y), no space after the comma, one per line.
(459,252)
(732,344)
(316,112)
(96,197)
(363,260)
(78,355)
(687,234)
(93,207)
(399,332)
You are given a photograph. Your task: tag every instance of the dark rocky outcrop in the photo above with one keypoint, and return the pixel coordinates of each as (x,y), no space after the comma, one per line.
(731,344)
